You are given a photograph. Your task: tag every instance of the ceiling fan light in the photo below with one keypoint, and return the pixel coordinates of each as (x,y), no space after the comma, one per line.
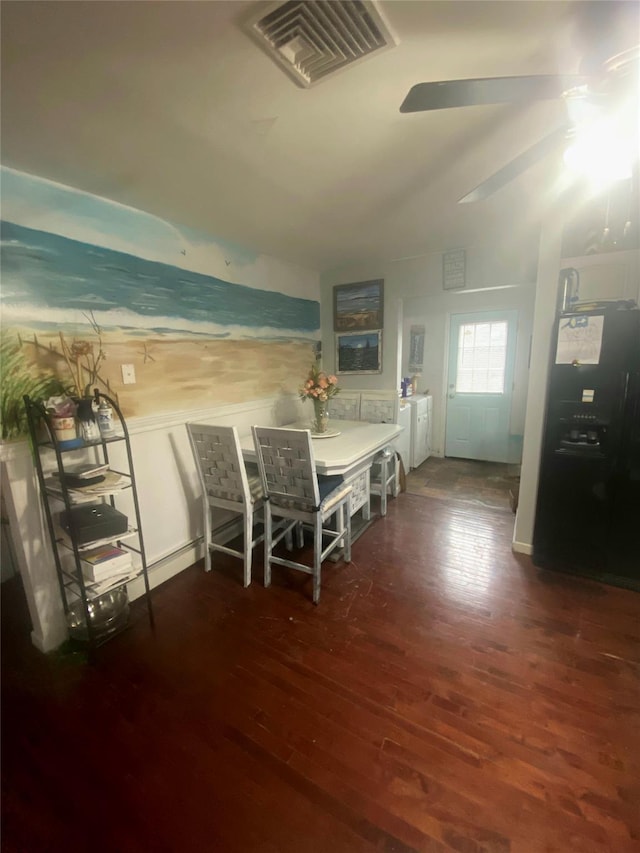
(600,156)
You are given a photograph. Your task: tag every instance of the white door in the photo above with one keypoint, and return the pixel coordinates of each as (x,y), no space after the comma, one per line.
(482,351)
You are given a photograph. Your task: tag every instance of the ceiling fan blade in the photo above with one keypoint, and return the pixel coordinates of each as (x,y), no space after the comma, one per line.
(517,166)
(487,90)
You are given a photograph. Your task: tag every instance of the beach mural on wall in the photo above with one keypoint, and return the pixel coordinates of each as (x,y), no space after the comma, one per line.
(203,322)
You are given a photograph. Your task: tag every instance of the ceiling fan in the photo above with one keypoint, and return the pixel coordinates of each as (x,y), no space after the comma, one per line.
(602,87)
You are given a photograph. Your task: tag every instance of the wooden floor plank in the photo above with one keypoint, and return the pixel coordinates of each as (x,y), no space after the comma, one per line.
(444,696)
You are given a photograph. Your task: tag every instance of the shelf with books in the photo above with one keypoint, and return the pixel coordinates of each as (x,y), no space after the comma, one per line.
(94,589)
(97,542)
(111,483)
(67,542)
(104,561)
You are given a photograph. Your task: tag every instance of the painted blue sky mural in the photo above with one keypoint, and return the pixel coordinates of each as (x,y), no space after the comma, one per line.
(133,270)
(48,206)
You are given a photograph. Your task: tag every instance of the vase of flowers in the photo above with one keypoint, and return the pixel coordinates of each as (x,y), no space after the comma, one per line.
(319,388)
(320,421)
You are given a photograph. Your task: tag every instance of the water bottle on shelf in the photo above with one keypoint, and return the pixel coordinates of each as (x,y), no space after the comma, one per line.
(86,418)
(105,419)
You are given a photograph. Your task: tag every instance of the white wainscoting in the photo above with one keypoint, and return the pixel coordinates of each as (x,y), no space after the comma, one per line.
(169,498)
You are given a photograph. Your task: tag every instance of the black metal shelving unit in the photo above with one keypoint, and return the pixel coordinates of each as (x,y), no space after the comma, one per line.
(56,492)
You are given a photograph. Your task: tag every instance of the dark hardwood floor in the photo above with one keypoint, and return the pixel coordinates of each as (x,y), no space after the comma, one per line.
(445,695)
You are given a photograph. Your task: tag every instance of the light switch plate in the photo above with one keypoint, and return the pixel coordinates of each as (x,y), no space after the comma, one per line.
(128,374)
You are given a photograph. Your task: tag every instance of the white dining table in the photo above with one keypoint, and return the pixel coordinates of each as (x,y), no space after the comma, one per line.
(350,453)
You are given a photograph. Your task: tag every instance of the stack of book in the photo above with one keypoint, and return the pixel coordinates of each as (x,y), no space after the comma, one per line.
(84,473)
(105,567)
(87,489)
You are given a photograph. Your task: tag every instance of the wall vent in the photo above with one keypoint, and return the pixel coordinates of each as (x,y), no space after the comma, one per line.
(313,39)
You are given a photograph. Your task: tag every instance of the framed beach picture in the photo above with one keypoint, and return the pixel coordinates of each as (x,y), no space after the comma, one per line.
(358,307)
(359,352)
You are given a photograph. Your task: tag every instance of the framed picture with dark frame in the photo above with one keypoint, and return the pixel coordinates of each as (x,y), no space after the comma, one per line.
(358,307)
(359,352)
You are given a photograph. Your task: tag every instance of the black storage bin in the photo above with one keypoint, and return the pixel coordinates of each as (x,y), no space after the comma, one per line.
(95,521)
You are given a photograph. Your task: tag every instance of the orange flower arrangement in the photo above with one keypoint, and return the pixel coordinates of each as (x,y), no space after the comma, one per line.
(319,386)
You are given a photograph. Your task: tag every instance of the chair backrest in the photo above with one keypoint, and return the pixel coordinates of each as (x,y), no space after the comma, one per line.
(345,406)
(221,468)
(379,407)
(287,466)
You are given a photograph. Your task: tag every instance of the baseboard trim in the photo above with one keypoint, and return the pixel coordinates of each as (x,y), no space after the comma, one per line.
(167,568)
(522,548)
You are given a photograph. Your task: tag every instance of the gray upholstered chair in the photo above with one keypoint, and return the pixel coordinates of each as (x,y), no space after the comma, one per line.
(385,478)
(379,407)
(345,406)
(227,484)
(295,494)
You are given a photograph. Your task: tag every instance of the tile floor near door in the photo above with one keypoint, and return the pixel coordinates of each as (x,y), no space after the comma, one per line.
(486,484)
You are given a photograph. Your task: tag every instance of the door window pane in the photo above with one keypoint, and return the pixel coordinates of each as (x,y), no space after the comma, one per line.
(482,353)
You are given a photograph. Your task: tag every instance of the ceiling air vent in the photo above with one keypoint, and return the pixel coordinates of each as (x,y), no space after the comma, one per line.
(312,39)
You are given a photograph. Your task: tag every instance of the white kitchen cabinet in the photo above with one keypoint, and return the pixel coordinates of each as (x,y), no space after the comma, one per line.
(421,422)
(403,442)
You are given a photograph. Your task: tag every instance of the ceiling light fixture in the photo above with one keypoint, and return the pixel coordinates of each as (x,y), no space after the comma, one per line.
(601,152)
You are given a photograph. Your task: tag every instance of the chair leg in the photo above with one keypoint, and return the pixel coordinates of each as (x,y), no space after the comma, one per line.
(347,540)
(267,543)
(207,536)
(366,509)
(317,556)
(288,537)
(340,527)
(396,477)
(248,539)
(383,486)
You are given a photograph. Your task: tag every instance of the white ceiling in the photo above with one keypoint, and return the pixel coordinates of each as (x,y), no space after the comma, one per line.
(170,107)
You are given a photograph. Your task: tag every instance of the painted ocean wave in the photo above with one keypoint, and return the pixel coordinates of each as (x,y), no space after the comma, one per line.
(131,324)
(45,272)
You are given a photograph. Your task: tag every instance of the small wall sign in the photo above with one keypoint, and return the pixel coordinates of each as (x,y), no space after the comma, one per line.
(453,269)
(416,348)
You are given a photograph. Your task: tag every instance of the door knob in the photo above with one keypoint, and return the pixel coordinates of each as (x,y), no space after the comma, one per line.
(451,396)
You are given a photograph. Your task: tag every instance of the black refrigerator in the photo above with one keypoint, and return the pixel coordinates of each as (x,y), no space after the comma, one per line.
(588,506)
